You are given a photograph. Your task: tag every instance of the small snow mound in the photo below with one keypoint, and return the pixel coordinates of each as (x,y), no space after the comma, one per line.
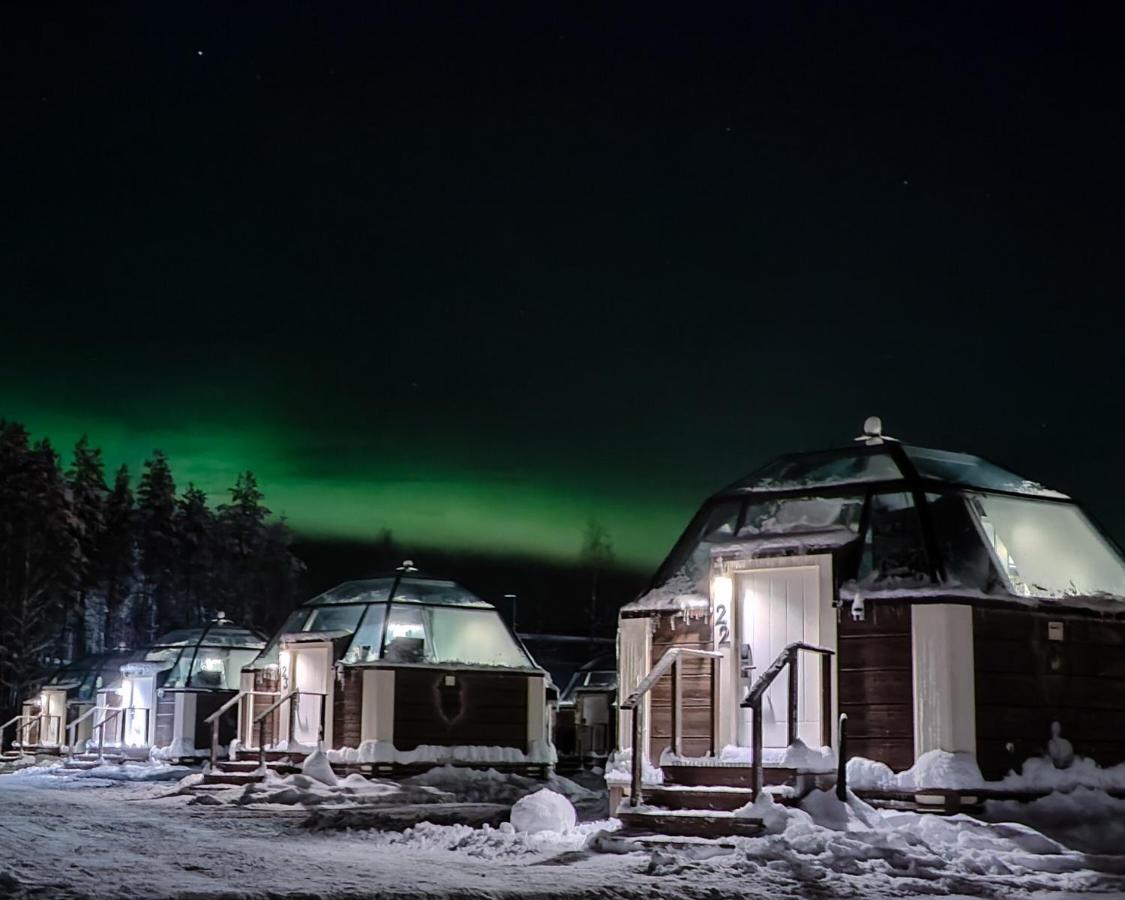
(851,814)
(317,766)
(942,769)
(543,811)
(774,817)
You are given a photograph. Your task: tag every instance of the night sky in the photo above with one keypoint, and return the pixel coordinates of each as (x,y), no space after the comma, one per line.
(479,277)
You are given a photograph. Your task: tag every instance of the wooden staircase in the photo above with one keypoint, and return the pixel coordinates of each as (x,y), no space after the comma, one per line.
(700,801)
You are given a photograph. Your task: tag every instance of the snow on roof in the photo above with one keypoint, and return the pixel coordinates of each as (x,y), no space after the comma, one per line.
(676,595)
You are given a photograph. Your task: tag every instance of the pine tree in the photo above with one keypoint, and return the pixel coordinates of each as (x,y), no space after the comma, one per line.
(597,556)
(118,560)
(242,530)
(86,481)
(40,561)
(156,517)
(196,533)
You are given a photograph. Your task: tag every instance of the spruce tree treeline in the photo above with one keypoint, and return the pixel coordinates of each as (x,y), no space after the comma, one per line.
(86,567)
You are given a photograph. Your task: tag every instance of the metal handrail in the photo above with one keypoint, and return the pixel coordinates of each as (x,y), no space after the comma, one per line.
(787,657)
(260,721)
(30,720)
(73,725)
(670,660)
(112,712)
(4,728)
(213,719)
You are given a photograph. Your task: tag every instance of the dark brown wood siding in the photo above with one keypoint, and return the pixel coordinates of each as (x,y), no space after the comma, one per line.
(1024,682)
(165,724)
(876,681)
(475,708)
(205,704)
(674,631)
(270,681)
(347,708)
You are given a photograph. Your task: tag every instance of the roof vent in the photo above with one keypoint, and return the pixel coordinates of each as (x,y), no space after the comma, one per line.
(407,566)
(873,432)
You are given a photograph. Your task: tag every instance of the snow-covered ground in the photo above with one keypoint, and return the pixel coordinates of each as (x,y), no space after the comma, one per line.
(140,832)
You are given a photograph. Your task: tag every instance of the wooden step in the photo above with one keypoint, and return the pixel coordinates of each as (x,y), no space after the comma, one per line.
(239,765)
(682,797)
(231,778)
(686,823)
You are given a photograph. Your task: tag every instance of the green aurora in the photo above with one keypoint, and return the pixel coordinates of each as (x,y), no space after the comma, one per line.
(429,504)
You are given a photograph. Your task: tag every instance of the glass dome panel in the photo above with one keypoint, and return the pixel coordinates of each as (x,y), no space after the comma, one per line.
(1049,549)
(374,590)
(971,471)
(428,590)
(832,467)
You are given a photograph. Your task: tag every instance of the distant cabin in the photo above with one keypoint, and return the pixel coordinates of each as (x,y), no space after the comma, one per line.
(964,608)
(399,671)
(154,698)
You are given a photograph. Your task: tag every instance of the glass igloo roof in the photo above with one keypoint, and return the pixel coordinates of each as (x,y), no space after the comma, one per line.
(205,658)
(405,619)
(890,462)
(89,674)
(897,516)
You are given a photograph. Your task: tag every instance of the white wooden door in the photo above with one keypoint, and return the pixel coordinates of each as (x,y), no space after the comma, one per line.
(311,671)
(777,607)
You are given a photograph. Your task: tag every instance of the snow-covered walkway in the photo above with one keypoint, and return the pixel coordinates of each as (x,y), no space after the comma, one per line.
(83,836)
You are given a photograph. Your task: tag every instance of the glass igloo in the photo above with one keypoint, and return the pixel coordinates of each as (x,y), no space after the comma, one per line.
(407,619)
(898,516)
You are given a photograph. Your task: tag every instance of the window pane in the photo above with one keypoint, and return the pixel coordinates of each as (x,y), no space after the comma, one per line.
(293,624)
(430,591)
(219,667)
(802,514)
(822,469)
(1049,549)
(970,471)
(475,636)
(365,644)
(893,550)
(406,635)
(334,618)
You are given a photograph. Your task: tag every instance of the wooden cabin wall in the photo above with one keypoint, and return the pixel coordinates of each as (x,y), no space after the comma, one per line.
(695,692)
(876,682)
(206,702)
(1025,681)
(347,707)
(165,727)
(265,680)
(479,708)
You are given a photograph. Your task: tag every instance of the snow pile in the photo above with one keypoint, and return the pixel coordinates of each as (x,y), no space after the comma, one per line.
(849,849)
(490,786)
(797,755)
(180,748)
(1084,818)
(619,769)
(487,843)
(317,767)
(539,753)
(940,769)
(1040,773)
(305,790)
(543,811)
(933,769)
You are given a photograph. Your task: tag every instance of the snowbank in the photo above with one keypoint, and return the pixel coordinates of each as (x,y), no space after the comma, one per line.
(543,811)
(797,755)
(489,786)
(1040,773)
(940,769)
(933,769)
(540,753)
(180,748)
(619,769)
(317,767)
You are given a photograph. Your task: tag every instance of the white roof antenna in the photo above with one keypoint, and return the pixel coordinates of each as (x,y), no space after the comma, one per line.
(873,432)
